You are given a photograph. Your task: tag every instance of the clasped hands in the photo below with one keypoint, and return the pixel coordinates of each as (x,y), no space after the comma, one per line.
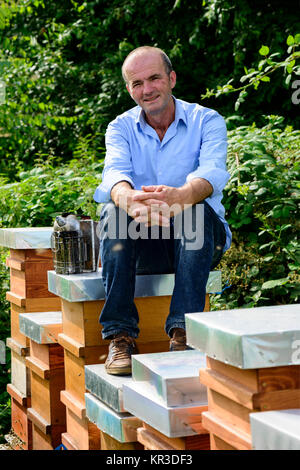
(155,205)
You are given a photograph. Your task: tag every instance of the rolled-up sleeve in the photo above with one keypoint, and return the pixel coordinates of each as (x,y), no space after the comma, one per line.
(118,162)
(213,152)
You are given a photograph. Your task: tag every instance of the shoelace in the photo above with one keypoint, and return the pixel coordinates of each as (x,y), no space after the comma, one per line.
(120,347)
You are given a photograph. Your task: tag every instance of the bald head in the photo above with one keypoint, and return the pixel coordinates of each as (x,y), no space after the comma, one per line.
(146,50)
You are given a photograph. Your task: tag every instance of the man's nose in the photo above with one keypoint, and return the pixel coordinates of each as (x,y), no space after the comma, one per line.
(148,87)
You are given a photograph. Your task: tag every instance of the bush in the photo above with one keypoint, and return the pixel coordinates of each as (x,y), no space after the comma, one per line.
(262,205)
(48,190)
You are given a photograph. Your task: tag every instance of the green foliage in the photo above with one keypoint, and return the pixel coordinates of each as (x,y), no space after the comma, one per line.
(48,190)
(4,333)
(265,68)
(61,63)
(262,203)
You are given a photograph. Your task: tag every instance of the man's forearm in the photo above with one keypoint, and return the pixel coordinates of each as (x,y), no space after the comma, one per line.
(195,191)
(121,192)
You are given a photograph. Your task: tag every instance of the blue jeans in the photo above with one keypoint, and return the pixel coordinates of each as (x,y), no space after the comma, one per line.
(171,252)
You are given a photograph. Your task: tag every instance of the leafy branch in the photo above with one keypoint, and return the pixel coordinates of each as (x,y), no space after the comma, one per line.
(265,68)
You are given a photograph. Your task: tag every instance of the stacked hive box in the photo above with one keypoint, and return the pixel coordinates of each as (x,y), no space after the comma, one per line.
(82,300)
(276,430)
(46,365)
(166,395)
(30,259)
(104,406)
(251,367)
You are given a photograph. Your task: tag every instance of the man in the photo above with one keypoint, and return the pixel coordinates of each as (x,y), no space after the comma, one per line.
(165,169)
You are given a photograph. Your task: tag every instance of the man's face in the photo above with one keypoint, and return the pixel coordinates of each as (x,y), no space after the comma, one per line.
(148,83)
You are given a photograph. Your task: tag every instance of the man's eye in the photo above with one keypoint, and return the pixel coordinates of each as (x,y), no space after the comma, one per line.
(135,85)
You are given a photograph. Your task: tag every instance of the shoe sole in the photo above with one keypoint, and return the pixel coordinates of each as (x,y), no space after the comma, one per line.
(121,371)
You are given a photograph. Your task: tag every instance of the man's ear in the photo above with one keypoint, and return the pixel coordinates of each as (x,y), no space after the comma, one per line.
(172,78)
(127,88)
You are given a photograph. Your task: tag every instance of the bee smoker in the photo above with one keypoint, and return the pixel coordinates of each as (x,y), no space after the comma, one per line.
(75,244)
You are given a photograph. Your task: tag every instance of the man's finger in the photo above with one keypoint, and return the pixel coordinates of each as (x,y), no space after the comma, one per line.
(152,188)
(146,196)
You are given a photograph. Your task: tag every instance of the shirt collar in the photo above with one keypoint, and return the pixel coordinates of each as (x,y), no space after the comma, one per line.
(179,114)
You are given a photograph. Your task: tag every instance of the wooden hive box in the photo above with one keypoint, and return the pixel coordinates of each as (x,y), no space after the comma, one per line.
(19,391)
(30,259)
(104,407)
(252,369)
(165,393)
(82,300)
(46,365)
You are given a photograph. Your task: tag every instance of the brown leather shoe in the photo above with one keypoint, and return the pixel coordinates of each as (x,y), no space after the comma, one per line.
(121,348)
(178,340)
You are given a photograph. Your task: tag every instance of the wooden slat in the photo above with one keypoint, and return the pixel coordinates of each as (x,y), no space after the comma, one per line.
(50,354)
(152,441)
(246,377)
(71,345)
(45,397)
(181,443)
(20,376)
(15,264)
(236,438)
(73,404)
(228,410)
(279,378)
(49,441)
(40,422)
(39,367)
(38,254)
(85,434)
(218,444)
(109,443)
(68,441)
(45,304)
(21,425)
(18,396)
(277,400)
(16,335)
(81,322)
(227,387)
(40,440)
(17,347)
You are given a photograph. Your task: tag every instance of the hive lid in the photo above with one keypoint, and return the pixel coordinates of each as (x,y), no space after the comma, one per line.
(276,430)
(120,426)
(173,376)
(41,327)
(171,421)
(89,286)
(248,338)
(106,387)
(26,237)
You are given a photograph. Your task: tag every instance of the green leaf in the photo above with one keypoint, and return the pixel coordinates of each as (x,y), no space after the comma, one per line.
(264,50)
(274,283)
(265,79)
(290,40)
(288,79)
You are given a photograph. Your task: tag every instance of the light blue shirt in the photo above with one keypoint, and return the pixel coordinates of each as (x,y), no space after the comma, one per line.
(194,146)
